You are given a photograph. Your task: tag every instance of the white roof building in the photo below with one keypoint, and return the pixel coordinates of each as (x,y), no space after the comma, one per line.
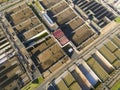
(114,3)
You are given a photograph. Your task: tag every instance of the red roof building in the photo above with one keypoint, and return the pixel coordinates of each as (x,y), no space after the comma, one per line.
(63,40)
(60,36)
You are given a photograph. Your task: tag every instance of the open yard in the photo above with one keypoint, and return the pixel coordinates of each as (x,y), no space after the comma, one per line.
(107,54)
(34,84)
(117,53)
(116,64)
(75,86)
(111,46)
(2,1)
(117,19)
(116,86)
(69,79)
(102,74)
(116,40)
(62,86)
